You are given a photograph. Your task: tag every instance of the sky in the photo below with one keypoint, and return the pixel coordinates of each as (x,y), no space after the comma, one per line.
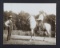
(31,8)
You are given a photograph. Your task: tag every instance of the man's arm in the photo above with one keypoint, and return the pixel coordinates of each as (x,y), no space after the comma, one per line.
(7,23)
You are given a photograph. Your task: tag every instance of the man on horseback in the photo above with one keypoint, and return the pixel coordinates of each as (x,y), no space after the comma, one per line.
(43,26)
(9,25)
(40,21)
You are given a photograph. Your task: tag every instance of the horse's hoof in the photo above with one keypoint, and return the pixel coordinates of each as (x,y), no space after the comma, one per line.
(34,39)
(43,40)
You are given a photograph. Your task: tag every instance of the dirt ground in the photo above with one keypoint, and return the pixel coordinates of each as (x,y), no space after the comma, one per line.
(23,41)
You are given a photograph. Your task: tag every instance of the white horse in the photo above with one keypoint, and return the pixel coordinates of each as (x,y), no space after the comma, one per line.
(32,25)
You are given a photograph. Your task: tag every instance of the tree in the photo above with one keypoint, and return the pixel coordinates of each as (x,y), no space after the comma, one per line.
(22,21)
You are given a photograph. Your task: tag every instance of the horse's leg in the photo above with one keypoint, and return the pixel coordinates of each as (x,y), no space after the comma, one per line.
(44,37)
(44,31)
(31,34)
(48,28)
(34,35)
(49,32)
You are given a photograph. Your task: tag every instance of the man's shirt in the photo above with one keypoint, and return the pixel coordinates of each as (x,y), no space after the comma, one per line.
(7,23)
(41,17)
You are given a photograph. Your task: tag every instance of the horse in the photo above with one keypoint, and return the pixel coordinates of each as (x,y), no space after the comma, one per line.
(33,24)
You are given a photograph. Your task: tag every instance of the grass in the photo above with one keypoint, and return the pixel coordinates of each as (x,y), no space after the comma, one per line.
(23,41)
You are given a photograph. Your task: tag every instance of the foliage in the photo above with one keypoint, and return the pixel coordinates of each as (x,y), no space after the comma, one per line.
(21,21)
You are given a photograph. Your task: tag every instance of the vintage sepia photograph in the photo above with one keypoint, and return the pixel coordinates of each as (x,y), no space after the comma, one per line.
(29,23)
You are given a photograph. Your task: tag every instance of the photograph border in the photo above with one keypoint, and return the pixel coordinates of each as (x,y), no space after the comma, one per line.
(36,1)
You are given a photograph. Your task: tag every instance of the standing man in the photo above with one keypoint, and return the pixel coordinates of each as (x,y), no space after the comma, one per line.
(9,25)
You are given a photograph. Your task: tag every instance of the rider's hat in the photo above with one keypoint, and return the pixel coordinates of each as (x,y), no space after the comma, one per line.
(10,16)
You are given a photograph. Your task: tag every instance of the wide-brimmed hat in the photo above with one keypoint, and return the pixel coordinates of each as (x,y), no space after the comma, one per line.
(41,12)
(10,16)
